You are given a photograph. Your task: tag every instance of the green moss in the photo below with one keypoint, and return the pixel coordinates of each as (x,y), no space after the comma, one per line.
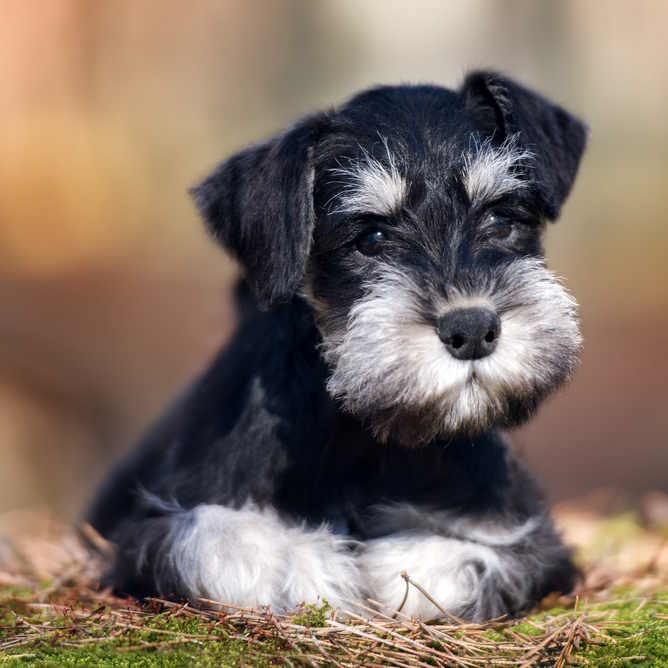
(527,629)
(313,615)
(492,634)
(637,627)
(104,655)
(639,639)
(161,639)
(146,648)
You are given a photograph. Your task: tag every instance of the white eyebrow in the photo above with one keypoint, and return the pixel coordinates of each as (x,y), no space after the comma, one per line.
(371,186)
(492,171)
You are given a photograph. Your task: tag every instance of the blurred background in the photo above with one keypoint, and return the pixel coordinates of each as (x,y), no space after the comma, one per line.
(112,298)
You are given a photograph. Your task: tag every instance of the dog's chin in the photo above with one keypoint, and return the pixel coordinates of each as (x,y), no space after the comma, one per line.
(416,403)
(472,410)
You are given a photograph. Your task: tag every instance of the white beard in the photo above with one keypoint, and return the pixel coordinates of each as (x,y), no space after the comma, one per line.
(389,364)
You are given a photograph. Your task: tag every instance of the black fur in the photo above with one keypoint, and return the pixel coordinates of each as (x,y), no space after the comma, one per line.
(260,424)
(258,205)
(556,138)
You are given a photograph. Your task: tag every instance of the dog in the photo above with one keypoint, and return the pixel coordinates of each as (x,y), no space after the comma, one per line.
(396,315)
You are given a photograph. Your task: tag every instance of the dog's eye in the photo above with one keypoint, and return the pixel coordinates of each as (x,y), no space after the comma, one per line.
(370,242)
(499,227)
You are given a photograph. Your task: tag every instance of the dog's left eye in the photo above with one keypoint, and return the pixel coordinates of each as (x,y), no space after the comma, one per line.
(499,227)
(370,242)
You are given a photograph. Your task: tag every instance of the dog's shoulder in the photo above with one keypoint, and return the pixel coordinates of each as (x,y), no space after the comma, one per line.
(235,430)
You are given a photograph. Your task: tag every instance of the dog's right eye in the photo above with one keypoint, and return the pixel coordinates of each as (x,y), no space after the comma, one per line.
(370,242)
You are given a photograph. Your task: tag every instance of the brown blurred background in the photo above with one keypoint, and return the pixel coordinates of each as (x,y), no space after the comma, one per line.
(112,298)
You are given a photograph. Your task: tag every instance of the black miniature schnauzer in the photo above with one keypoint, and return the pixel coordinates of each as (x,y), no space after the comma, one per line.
(396,313)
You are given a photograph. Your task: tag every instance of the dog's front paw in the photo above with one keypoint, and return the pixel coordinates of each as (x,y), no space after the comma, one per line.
(250,557)
(466,579)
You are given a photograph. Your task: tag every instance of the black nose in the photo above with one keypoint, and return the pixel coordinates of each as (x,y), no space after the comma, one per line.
(469,333)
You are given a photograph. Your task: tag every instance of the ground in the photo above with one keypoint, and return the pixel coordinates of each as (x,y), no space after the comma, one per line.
(53,613)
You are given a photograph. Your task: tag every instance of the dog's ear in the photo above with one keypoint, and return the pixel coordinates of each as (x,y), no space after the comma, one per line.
(259,205)
(501,108)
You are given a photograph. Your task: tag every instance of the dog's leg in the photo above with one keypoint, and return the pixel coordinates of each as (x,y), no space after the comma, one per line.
(246,557)
(476,572)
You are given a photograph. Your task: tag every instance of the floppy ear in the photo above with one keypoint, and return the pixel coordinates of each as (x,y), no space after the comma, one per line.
(259,205)
(502,108)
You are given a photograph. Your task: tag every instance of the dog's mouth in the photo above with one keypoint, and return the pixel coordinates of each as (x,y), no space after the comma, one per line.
(474,375)
(399,367)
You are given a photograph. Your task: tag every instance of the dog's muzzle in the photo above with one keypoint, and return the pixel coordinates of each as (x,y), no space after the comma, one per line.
(469,333)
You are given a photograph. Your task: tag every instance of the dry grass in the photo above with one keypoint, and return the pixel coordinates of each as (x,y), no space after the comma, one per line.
(53,613)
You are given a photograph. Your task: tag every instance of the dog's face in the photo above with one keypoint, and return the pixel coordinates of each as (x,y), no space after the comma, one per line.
(411,220)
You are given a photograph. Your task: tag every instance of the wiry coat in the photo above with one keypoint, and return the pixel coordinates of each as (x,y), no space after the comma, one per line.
(335,443)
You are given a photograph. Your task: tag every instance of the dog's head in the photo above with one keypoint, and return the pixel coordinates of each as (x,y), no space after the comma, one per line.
(411,220)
